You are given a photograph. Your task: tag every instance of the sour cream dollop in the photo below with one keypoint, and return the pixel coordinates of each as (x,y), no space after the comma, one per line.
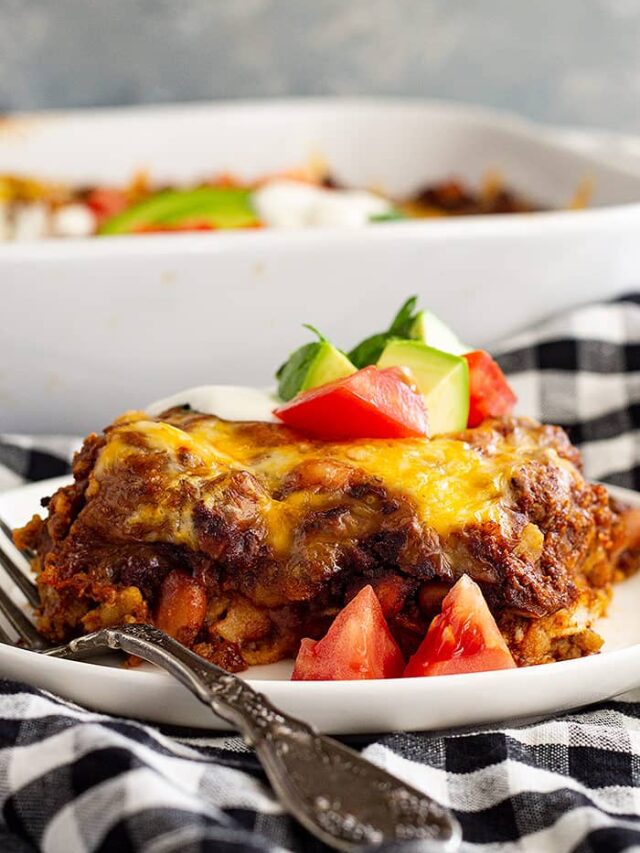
(230,402)
(293,204)
(73,220)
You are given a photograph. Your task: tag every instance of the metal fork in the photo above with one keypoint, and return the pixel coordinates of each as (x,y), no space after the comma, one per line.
(337,795)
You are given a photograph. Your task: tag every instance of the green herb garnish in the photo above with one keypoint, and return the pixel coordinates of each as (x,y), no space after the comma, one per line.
(390,216)
(370,349)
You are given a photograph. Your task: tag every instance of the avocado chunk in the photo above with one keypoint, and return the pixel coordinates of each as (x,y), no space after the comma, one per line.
(220,207)
(429,329)
(312,365)
(442,379)
(392,215)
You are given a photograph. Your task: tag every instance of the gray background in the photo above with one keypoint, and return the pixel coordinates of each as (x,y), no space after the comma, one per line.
(563,61)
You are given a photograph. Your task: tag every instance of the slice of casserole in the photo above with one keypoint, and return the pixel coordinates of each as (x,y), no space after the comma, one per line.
(242,538)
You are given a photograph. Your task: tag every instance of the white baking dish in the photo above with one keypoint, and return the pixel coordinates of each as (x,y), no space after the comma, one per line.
(90,327)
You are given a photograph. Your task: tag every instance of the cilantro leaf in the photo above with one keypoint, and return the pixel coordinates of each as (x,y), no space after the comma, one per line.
(370,349)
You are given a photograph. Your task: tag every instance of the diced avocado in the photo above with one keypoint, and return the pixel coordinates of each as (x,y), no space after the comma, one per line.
(312,365)
(328,365)
(220,207)
(430,329)
(370,349)
(442,378)
(392,215)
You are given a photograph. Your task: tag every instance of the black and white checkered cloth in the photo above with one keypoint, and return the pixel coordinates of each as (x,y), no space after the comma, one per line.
(73,781)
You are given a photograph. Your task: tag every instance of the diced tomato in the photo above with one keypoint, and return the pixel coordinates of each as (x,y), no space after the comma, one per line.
(182,606)
(358,645)
(391,591)
(189,225)
(491,394)
(106,202)
(464,637)
(630,534)
(370,403)
(225,179)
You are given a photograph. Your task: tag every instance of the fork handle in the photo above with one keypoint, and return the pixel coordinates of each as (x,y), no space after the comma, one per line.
(340,797)
(229,696)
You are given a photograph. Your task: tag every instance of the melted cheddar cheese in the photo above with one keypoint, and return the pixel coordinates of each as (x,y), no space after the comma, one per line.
(451,482)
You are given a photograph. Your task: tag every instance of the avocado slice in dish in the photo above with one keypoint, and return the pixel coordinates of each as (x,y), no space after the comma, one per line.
(219,207)
(442,379)
(431,330)
(392,215)
(312,365)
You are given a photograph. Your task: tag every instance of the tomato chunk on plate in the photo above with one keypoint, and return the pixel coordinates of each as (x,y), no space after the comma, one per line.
(370,403)
(358,645)
(491,394)
(464,637)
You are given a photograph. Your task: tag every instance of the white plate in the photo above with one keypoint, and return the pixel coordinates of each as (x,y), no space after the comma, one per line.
(168,312)
(350,707)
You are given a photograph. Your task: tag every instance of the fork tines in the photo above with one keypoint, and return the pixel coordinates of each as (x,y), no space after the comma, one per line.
(8,608)
(27,553)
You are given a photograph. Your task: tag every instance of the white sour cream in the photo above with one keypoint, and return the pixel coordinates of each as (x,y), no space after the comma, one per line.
(30,222)
(293,204)
(73,220)
(230,402)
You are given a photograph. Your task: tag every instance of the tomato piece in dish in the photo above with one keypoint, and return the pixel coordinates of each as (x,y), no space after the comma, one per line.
(464,637)
(106,202)
(491,394)
(188,225)
(370,403)
(182,607)
(358,645)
